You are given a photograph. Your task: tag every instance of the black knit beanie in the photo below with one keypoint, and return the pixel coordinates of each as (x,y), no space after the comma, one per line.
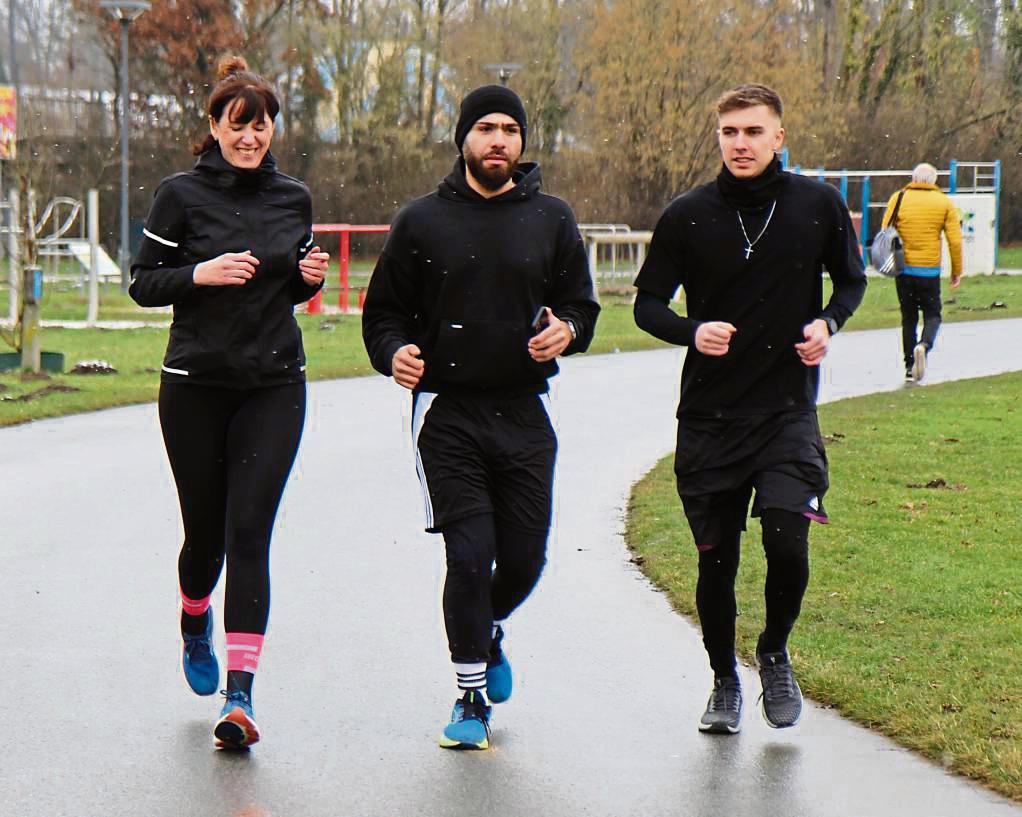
(484,101)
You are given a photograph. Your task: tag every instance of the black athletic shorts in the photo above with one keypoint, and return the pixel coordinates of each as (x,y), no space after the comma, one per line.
(484,454)
(719,463)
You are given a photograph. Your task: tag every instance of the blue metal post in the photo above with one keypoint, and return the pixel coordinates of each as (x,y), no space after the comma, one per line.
(997,211)
(952,186)
(864,225)
(844,188)
(784,158)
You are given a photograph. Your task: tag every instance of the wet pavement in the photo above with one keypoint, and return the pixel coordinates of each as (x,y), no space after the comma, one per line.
(95,718)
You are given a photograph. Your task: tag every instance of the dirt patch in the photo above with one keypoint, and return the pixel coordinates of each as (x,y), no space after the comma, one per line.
(939,483)
(93,367)
(38,394)
(31,377)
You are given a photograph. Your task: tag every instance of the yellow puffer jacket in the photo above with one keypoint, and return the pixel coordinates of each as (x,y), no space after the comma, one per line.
(925,211)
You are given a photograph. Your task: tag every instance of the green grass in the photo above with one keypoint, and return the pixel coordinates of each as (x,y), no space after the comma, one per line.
(1009,257)
(970,302)
(913,617)
(333,348)
(334,344)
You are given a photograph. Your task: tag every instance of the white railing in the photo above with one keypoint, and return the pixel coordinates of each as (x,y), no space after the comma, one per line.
(636,241)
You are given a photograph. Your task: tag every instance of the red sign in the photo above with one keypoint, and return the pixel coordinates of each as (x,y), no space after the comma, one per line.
(8,122)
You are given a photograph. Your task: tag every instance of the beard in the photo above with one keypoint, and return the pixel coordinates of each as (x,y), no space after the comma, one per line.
(492,178)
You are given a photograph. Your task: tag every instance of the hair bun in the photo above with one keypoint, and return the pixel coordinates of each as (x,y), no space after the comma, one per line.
(230,65)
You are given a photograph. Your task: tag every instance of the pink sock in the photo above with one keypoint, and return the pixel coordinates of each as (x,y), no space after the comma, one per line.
(243,650)
(194,607)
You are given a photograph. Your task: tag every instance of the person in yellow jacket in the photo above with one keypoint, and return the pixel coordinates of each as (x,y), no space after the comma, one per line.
(924,214)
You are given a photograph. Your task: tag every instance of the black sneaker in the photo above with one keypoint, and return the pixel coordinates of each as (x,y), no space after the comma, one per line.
(781,701)
(909,377)
(723,715)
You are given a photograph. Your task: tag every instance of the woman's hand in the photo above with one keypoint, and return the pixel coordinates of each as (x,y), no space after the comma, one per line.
(229,269)
(313,267)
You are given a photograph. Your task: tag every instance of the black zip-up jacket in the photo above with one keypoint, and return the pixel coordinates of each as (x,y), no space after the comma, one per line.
(234,336)
(462,277)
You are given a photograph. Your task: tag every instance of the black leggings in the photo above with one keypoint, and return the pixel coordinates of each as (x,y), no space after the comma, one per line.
(786,544)
(231,451)
(476,594)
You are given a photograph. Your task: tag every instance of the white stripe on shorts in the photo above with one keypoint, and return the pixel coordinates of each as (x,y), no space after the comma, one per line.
(548,407)
(423,402)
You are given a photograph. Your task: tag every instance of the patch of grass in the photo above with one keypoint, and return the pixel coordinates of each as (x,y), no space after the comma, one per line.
(333,346)
(913,617)
(1009,256)
(970,302)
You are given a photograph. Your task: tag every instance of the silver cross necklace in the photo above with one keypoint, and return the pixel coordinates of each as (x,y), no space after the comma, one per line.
(750,244)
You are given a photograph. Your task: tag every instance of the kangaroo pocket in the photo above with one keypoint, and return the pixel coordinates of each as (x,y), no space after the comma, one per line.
(483,355)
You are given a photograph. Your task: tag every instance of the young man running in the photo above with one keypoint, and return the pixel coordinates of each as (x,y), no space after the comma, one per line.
(481,285)
(749,249)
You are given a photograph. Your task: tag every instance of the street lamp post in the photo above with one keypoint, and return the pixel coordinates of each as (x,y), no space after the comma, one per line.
(503,70)
(127,11)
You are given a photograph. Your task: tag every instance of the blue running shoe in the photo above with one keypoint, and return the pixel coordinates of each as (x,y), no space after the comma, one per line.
(470,723)
(236,728)
(202,671)
(498,671)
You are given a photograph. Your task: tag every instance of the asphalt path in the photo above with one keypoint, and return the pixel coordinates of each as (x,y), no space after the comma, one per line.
(355,684)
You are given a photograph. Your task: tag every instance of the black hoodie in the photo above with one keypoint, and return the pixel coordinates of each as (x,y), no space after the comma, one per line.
(462,277)
(235,336)
(769,294)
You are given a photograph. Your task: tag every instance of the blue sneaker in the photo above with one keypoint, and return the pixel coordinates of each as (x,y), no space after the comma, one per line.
(498,671)
(202,671)
(236,728)
(470,723)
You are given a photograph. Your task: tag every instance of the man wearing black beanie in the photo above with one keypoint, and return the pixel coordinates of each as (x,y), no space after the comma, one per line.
(481,285)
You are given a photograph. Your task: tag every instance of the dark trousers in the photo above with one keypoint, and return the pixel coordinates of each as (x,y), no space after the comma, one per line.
(786,544)
(476,594)
(231,451)
(917,294)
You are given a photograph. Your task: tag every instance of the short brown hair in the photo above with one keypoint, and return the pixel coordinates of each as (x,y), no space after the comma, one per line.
(749,96)
(256,97)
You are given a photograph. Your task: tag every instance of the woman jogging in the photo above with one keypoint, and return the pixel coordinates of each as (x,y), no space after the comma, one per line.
(229,245)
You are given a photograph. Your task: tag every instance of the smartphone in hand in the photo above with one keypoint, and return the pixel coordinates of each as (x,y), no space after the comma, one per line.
(541,321)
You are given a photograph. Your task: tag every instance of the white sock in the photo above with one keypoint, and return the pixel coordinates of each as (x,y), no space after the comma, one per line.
(471,676)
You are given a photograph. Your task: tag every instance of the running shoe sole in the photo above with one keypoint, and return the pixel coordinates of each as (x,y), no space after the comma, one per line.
(235,730)
(447,743)
(919,362)
(719,728)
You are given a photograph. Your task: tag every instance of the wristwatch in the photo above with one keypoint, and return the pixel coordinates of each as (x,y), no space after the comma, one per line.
(572,329)
(831,325)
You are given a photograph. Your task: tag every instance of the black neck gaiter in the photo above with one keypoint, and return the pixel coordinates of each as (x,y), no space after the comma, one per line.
(754,192)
